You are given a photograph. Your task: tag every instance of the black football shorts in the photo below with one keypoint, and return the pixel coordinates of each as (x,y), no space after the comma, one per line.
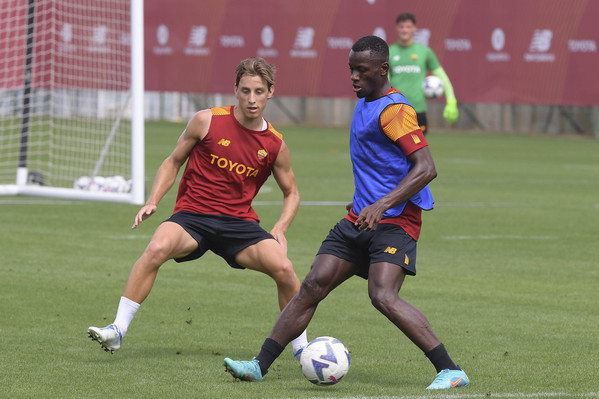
(226,236)
(388,243)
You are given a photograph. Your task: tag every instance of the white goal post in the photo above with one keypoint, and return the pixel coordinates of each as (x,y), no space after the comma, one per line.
(71,99)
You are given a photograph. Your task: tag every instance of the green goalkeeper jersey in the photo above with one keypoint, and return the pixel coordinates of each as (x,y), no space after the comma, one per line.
(408,66)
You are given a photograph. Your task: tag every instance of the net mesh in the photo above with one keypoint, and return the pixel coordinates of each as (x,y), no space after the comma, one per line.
(75,110)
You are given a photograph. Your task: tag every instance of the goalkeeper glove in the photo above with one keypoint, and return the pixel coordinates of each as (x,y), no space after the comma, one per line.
(451,113)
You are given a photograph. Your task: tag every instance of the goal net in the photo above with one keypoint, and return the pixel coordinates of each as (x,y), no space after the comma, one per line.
(71,99)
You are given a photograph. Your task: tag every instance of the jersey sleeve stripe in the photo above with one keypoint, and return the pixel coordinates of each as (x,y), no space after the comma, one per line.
(397,120)
(221,110)
(273,131)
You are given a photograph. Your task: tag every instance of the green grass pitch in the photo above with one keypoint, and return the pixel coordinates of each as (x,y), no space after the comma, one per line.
(508,275)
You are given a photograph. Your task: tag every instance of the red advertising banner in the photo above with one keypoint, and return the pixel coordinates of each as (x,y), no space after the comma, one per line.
(13,21)
(513,51)
(70,43)
(84,33)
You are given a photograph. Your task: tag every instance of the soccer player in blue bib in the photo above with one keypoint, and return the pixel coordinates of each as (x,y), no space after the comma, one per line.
(392,167)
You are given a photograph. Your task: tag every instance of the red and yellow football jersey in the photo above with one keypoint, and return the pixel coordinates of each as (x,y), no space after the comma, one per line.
(227,168)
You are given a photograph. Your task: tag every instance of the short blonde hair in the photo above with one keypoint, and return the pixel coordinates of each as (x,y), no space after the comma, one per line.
(256,66)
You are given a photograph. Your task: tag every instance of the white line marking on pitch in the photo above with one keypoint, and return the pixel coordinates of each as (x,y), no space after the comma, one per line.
(453,204)
(477,204)
(305,203)
(483,395)
(499,237)
(129,237)
(41,202)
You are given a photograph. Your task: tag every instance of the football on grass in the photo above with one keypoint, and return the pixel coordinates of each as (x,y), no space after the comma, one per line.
(432,87)
(325,361)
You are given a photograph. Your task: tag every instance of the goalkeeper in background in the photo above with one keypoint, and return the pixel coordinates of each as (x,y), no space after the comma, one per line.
(409,62)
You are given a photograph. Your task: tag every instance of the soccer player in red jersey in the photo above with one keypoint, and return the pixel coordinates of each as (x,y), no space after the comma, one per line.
(392,167)
(230,152)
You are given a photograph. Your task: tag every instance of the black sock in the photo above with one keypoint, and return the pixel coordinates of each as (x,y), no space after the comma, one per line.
(440,358)
(271,349)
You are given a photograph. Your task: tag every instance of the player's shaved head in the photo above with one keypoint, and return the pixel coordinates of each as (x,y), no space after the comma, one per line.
(377,47)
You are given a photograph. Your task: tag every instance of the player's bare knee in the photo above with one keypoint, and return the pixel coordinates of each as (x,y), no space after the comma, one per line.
(312,291)
(285,273)
(289,285)
(382,301)
(287,267)
(158,251)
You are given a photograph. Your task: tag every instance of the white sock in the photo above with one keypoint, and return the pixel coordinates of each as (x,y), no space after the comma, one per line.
(125,313)
(300,341)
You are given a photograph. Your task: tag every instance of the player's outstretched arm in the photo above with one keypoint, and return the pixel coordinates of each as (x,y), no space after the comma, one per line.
(285,178)
(196,130)
(450,113)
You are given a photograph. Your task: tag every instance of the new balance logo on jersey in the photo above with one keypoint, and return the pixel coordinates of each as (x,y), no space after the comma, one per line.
(224,142)
(234,167)
(390,250)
